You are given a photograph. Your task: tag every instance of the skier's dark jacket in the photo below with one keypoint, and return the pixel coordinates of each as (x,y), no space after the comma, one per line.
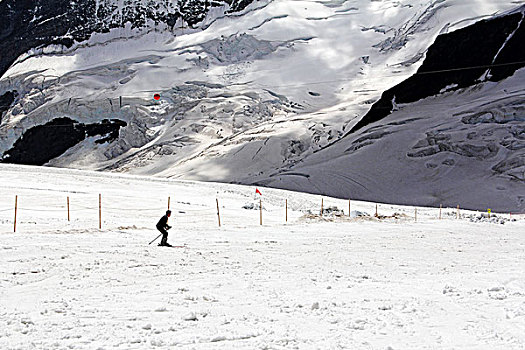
(163,223)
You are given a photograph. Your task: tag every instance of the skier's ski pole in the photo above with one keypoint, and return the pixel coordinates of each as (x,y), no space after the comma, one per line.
(155,239)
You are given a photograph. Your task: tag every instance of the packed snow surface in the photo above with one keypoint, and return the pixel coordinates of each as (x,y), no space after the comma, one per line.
(311,283)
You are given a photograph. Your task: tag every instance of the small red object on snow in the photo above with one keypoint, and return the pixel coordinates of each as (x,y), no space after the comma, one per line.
(156,97)
(257,191)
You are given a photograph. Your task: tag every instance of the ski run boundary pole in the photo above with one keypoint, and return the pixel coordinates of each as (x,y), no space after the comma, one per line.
(100,211)
(286,204)
(16,209)
(260,210)
(218,212)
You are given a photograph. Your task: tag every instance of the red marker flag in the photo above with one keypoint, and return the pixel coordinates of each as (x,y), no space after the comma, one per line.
(257,191)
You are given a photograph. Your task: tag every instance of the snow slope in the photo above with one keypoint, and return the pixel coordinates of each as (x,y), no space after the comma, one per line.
(312,283)
(245,96)
(463,147)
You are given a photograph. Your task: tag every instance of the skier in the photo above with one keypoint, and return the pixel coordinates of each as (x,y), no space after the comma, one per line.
(163,226)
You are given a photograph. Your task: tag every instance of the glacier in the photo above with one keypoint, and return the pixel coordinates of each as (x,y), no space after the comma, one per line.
(254,92)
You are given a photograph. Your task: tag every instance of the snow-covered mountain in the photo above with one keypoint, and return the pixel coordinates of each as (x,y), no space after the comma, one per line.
(413,101)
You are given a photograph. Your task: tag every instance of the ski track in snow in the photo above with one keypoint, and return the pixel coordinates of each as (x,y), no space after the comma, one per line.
(360,284)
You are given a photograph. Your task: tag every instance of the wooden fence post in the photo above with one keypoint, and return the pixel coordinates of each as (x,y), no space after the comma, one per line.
(260,210)
(349,212)
(100,211)
(68,217)
(377,215)
(169,198)
(218,212)
(322,203)
(286,210)
(440,207)
(16,209)
(415,214)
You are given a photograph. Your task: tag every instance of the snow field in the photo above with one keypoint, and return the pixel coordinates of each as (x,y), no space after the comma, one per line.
(308,284)
(128,201)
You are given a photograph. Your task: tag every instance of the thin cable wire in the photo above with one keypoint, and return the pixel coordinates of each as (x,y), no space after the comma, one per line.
(391,76)
(42,210)
(381,77)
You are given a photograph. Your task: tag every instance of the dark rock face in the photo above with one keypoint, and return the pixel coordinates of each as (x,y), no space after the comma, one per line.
(5,102)
(492,49)
(42,143)
(27,24)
